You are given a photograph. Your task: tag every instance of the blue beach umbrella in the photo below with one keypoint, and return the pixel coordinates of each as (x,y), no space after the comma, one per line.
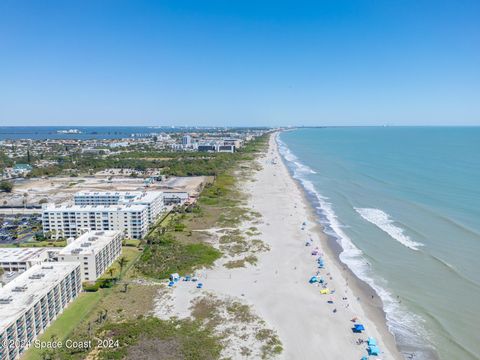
(358,328)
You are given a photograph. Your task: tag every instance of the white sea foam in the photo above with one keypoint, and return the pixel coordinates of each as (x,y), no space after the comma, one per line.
(402,323)
(384,222)
(290,157)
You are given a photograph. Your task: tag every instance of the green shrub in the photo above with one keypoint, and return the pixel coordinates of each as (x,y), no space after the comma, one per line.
(90,287)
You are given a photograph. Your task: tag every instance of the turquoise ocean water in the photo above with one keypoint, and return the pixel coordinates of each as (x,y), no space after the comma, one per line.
(404,204)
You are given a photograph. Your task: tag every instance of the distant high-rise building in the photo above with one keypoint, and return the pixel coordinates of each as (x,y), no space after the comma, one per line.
(186,140)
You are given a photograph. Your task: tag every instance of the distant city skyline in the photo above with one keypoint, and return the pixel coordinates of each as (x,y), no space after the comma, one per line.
(239,63)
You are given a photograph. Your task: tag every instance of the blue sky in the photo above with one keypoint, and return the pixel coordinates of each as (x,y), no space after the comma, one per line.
(192,62)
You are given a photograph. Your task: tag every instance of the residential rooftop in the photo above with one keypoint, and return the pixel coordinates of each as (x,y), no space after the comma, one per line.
(93,208)
(19,294)
(23,254)
(124,196)
(89,243)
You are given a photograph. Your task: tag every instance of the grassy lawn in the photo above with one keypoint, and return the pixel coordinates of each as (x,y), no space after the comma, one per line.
(130,254)
(131,242)
(162,222)
(68,320)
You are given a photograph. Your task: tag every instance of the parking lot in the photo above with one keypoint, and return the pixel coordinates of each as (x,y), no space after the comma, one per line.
(19,228)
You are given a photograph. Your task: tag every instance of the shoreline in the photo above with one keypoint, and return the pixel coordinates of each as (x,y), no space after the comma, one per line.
(373,307)
(277,289)
(372,303)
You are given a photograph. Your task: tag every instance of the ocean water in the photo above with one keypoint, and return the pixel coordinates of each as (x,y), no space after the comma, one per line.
(85,132)
(404,204)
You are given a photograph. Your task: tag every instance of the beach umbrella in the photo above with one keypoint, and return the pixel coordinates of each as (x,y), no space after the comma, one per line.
(325,291)
(358,328)
(313,279)
(371,341)
(364,358)
(373,350)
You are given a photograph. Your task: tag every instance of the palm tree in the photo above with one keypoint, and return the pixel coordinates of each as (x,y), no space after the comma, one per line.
(122,262)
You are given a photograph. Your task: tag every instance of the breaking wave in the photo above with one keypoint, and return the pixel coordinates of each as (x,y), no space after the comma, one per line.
(384,222)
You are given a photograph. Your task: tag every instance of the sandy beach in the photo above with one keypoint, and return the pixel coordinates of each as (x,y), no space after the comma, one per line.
(277,288)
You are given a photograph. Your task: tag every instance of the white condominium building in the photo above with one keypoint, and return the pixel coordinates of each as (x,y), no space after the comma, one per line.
(21,259)
(29,303)
(152,199)
(64,221)
(95,251)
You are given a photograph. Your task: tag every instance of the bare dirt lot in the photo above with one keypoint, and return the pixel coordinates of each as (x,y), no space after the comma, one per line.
(34,192)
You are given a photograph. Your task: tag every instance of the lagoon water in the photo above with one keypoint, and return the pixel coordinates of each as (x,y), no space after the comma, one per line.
(404,204)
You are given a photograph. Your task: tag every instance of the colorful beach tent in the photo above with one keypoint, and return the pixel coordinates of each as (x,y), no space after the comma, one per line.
(371,341)
(373,350)
(364,358)
(358,328)
(325,291)
(313,279)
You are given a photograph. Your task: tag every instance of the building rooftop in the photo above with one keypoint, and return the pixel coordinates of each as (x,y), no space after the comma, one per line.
(93,208)
(124,196)
(28,288)
(89,243)
(22,254)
